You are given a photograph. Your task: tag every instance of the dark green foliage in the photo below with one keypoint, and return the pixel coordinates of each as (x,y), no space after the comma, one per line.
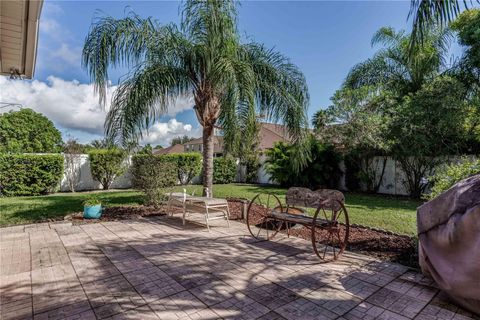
(252,164)
(321,170)
(412,101)
(29,174)
(224,170)
(152,174)
(106,165)
(147,149)
(27,131)
(447,175)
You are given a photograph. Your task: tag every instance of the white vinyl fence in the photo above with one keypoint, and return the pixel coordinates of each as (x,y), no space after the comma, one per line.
(83,176)
(392,181)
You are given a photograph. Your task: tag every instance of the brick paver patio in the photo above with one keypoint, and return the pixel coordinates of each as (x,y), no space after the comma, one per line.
(155,269)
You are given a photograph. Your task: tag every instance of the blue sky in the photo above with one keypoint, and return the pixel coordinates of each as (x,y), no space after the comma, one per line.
(325,39)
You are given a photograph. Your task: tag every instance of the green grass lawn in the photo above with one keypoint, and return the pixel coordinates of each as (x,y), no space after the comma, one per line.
(390,213)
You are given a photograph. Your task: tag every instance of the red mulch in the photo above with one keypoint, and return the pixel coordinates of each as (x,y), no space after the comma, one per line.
(389,247)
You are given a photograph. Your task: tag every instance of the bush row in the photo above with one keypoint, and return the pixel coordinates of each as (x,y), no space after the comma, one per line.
(29,174)
(36,174)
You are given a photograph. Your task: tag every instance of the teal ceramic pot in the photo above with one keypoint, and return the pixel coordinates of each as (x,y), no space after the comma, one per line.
(92,212)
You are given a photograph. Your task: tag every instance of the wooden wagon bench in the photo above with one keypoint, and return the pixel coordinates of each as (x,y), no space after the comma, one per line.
(211,208)
(329,225)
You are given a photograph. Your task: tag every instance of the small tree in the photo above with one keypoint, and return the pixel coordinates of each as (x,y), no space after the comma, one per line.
(73,155)
(152,174)
(106,165)
(27,131)
(188,166)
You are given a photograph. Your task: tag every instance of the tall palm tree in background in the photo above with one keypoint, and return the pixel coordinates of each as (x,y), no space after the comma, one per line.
(395,68)
(231,82)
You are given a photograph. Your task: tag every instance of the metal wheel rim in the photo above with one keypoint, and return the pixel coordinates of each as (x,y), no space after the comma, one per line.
(270,233)
(322,254)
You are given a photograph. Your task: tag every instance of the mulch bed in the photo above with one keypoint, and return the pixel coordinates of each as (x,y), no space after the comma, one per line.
(119,213)
(388,247)
(384,246)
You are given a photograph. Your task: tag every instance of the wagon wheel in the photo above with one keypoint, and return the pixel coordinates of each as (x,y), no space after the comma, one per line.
(330,230)
(259,222)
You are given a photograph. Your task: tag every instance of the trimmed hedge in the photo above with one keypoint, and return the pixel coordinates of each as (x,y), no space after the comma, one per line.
(106,165)
(187,165)
(30,174)
(224,170)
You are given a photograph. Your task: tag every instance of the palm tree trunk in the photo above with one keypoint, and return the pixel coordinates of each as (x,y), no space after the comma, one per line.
(208,159)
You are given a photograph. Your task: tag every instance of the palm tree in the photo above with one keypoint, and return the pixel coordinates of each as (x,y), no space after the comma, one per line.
(203,57)
(430,13)
(395,68)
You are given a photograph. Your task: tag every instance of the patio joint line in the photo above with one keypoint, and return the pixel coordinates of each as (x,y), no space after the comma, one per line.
(76,275)
(121,274)
(31,268)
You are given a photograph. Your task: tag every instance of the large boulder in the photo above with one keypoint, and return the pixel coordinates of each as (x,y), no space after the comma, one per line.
(449,241)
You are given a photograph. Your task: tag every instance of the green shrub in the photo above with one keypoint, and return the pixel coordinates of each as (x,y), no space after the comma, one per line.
(447,175)
(188,165)
(106,165)
(29,174)
(92,201)
(224,170)
(320,171)
(152,174)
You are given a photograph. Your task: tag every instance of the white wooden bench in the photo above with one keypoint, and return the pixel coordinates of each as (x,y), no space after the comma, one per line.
(209,207)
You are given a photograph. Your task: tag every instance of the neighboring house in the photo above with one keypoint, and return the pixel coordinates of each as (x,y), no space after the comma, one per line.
(178,148)
(197,146)
(19,22)
(268,134)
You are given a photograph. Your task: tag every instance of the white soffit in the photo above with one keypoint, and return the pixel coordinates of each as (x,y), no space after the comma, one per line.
(19,22)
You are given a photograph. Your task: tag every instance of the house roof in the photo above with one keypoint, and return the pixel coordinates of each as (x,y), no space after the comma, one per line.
(271,133)
(19,23)
(178,148)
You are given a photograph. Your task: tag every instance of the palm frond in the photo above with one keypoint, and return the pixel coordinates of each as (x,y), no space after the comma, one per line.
(116,42)
(142,98)
(429,13)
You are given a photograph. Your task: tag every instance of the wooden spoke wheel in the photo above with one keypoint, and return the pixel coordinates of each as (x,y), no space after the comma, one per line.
(330,230)
(259,221)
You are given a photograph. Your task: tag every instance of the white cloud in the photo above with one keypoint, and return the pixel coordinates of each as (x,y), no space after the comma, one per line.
(49,25)
(67,54)
(163,133)
(73,105)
